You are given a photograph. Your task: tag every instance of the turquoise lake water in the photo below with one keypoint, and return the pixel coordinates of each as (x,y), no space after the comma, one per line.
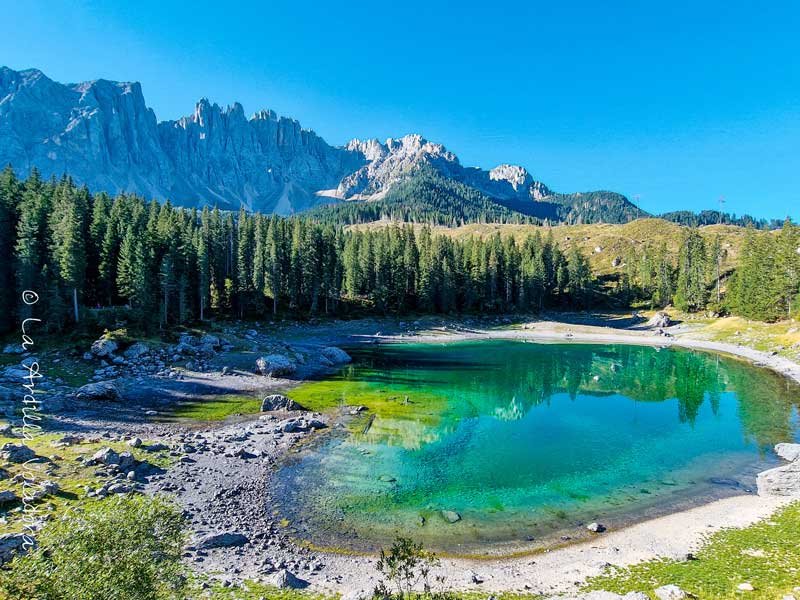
(528,442)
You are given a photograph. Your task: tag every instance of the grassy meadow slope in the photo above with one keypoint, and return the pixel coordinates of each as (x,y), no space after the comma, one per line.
(612,240)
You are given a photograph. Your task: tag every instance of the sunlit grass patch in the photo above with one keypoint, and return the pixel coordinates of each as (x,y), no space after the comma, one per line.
(60,464)
(766,555)
(217,408)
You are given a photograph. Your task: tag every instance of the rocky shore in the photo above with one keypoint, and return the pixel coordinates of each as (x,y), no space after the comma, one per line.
(220,472)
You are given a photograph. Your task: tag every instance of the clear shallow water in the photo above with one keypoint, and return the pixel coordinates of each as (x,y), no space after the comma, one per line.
(528,442)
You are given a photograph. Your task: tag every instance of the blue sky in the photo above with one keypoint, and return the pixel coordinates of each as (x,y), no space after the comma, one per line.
(676,103)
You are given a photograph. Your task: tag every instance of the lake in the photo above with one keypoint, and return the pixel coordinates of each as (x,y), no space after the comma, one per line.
(487,447)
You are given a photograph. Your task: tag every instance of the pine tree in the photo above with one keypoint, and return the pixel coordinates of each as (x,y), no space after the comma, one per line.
(10,195)
(691,293)
(67,232)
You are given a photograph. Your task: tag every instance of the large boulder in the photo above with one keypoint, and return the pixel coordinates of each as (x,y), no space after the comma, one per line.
(660,320)
(780,481)
(284,580)
(101,390)
(10,544)
(15,374)
(103,348)
(211,340)
(279,402)
(336,355)
(7,497)
(188,339)
(788,452)
(221,540)
(275,365)
(184,348)
(136,351)
(109,457)
(16,453)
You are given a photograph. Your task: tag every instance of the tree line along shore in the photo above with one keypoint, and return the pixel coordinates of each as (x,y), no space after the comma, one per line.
(97,259)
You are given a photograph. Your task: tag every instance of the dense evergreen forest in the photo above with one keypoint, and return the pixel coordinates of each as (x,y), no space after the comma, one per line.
(715,217)
(102,259)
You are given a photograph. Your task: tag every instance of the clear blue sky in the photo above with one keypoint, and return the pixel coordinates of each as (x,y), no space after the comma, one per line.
(675,102)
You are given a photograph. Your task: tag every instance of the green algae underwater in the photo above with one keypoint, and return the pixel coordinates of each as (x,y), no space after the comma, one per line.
(486,448)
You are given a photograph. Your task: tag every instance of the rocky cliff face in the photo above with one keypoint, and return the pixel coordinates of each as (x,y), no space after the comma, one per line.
(397,158)
(103,135)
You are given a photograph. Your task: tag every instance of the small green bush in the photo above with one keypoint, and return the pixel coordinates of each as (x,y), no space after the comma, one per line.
(125,548)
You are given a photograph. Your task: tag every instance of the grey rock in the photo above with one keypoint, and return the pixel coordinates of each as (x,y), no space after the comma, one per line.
(279,402)
(16,453)
(7,497)
(222,540)
(15,374)
(106,456)
(275,365)
(780,481)
(186,349)
(788,452)
(451,516)
(119,488)
(99,391)
(104,348)
(660,320)
(336,355)
(284,579)
(210,340)
(670,592)
(11,544)
(137,351)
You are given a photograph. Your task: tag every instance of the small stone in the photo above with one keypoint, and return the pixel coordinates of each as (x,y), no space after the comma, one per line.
(745,587)
(596,527)
(284,579)
(451,516)
(670,592)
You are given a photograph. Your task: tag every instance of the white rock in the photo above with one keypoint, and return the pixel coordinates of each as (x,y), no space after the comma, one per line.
(788,452)
(780,481)
(670,592)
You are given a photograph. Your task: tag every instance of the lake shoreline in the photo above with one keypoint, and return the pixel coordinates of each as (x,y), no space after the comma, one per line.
(226,484)
(562,569)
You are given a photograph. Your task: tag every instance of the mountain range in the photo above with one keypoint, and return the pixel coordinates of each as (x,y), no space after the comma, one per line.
(103,135)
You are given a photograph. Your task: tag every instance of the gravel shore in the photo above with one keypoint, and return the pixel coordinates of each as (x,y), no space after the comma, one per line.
(222,473)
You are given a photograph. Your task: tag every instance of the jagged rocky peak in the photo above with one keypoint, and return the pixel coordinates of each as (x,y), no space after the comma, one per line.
(517,176)
(416,146)
(104,135)
(392,161)
(371,149)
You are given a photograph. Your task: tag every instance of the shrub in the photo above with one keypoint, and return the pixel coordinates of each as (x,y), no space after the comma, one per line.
(406,569)
(122,547)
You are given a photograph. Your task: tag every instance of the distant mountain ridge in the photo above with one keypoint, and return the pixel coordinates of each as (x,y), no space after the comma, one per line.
(102,134)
